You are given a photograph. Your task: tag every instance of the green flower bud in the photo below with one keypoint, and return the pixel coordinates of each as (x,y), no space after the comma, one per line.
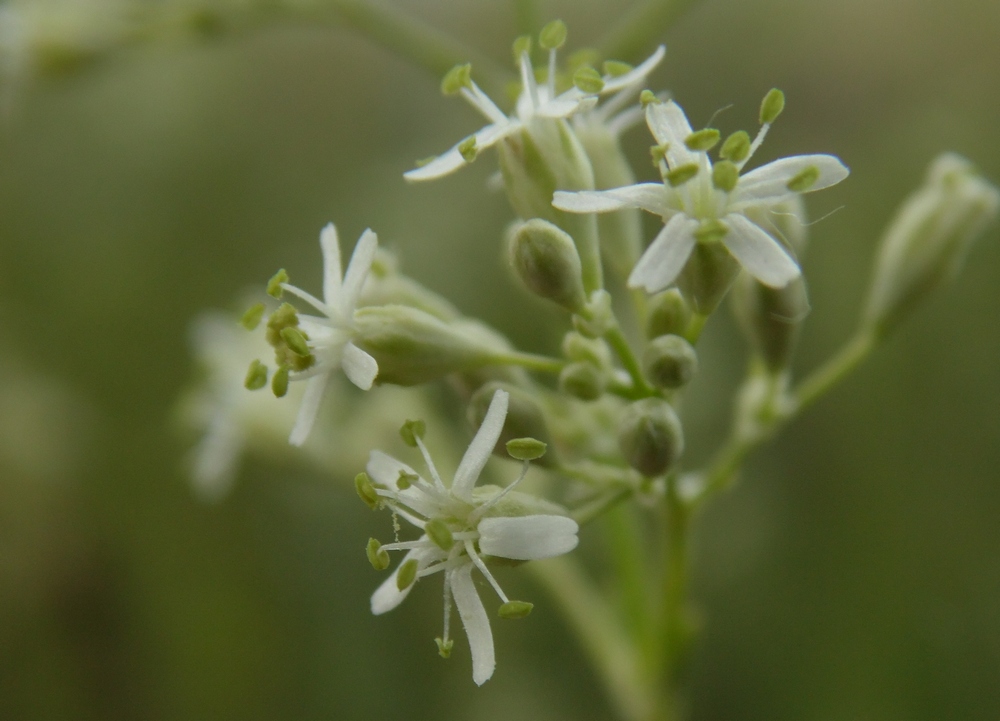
(377,556)
(668,313)
(771,318)
(650,436)
(366,491)
(515,609)
(524,418)
(669,361)
(582,380)
(411,346)
(586,350)
(526,449)
(926,243)
(707,277)
(546,260)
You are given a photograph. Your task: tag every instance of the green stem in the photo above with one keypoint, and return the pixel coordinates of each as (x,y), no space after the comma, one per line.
(593,510)
(640,28)
(694,328)
(834,370)
(531,361)
(619,344)
(628,555)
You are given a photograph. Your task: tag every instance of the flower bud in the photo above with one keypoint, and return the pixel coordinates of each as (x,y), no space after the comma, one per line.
(771,318)
(707,276)
(669,361)
(668,314)
(524,418)
(582,380)
(925,244)
(547,262)
(411,346)
(650,436)
(579,348)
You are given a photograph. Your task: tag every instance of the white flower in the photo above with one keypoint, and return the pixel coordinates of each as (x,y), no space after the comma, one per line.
(535,101)
(329,336)
(699,205)
(463,524)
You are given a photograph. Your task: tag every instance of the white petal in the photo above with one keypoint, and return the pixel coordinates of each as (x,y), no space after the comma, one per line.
(357,272)
(569,103)
(648,196)
(384,470)
(670,127)
(759,253)
(311,400)
(635,75)
(665,257)
(215,458)
(769,183)
(527,538)
(481,447)
(360,367)
(452,160)
(476,623)
(388,596)
(332,274)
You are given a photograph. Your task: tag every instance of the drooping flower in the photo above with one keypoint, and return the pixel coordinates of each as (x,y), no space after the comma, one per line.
(705,203)
(535,101)
(312,347)
(463,526)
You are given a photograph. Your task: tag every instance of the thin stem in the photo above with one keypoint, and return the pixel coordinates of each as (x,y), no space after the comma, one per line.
(631,566)
(633,35)
(694,328)
(531,361)
(596,508)
(834,370)
(619,344)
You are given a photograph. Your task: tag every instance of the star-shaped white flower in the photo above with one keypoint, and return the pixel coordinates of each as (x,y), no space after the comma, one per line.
(329,335)
(699,205)
(461,526)
(535,101)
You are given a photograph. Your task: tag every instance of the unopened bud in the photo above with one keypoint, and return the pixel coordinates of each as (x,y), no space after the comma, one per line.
(582,380)
(928,240)
(650,436)
(524,418)
(377,556)
(669,361)
(579,348)
(668,314)
(545,258)
(515,609)
(771,318)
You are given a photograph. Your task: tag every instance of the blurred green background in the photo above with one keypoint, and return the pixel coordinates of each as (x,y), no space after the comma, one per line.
(854,574)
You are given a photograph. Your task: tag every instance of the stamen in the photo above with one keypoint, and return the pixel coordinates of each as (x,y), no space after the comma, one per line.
(528,81)
(438,483)
(485,571)
(444,643)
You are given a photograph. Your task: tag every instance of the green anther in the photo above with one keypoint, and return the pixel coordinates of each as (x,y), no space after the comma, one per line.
(256,376)
(444,647)
(736,147)
(366,491)
(588,80)
(526,449)
(411,431)
(468,149)
(771,106)
(711,231)
(406,479)
(804,180)
(522,45)
(279,382)
(658,153)
(725,174)
(438,531)
(553,35)
(457,78)
(377,556)
(515,609)
(616,68)
(702,140)
(251,319)
(406,574)
(295,340)
(274,285)
(682,174)
(648,96)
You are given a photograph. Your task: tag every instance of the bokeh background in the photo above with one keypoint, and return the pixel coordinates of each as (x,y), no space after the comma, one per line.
(854,573)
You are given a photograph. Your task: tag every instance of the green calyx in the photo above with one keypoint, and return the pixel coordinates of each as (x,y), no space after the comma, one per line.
(256,377)
(251,319)
(588,80)
(725,175)
(406,575)
(526,449)
(616,68)
(804,180)
(468,149)
(771,106)
(457,78)
(737,147)
(711,231)
(553,35)
(681,174)
(702,140)
(438,531)
(515,609)
(366,491)
(411,431)
(377,556)
(274,284)
(444,647)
